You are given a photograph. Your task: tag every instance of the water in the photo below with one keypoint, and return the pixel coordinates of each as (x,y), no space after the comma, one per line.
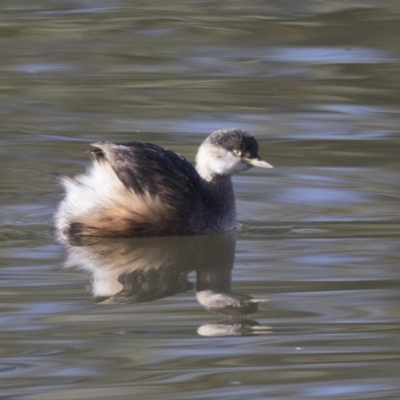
(318,83)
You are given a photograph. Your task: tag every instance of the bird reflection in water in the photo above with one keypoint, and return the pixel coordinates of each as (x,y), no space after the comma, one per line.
(146,269)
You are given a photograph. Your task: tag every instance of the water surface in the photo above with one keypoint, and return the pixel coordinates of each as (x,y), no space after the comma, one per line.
(318,84)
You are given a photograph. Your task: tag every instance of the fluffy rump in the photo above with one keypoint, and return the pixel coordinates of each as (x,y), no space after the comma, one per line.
(97,203)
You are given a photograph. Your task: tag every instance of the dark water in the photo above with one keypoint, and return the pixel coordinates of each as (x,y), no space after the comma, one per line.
(318,82)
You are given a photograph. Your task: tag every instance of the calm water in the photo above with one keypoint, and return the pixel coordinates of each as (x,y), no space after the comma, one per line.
(318,82)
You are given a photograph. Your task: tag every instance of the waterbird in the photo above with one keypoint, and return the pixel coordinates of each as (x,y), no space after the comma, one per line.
(139,189)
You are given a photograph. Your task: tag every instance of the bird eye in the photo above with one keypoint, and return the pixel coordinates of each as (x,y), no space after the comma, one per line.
(237,153)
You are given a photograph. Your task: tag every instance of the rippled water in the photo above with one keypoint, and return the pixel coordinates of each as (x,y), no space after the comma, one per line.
(318,83)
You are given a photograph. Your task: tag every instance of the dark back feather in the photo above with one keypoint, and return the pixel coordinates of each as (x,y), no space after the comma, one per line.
(145,167)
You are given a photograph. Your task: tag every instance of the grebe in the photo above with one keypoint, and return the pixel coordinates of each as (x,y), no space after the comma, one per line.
(140,189)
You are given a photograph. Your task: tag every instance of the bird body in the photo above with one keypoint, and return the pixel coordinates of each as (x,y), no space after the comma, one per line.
(140,189)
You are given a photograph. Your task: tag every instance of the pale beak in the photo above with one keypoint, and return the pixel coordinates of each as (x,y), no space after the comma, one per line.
(256,162)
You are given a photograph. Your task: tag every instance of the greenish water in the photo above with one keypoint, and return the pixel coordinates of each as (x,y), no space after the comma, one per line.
(318,83)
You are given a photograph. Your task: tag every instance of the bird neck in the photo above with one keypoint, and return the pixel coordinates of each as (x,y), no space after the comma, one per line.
(221,201)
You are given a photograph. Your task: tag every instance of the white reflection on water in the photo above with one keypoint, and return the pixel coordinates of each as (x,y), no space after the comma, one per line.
(317,55)
(300,54)
(44,68)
